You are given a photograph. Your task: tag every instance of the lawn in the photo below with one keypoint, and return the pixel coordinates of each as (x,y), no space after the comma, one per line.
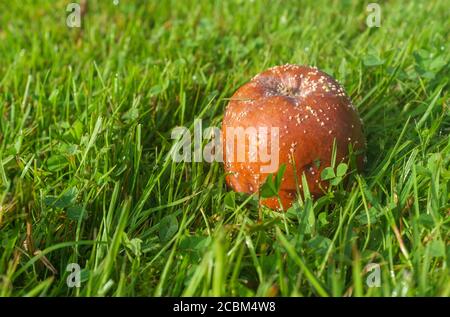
(85,133)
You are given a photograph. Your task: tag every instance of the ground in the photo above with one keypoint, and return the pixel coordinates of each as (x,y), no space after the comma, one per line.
(85,132)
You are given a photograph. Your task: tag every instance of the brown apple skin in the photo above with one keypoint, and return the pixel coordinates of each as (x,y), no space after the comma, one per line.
(311,110)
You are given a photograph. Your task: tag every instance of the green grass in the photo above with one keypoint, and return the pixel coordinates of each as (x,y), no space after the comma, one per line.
(86,116)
